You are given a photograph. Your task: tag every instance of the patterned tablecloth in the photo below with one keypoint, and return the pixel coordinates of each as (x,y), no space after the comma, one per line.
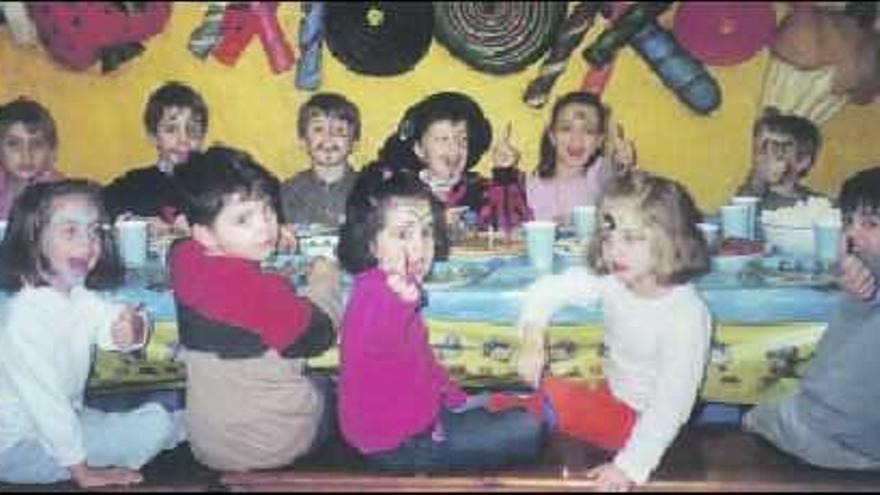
(768,318)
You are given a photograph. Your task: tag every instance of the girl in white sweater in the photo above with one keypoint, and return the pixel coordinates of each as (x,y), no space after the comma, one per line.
(57,250)
(657,328)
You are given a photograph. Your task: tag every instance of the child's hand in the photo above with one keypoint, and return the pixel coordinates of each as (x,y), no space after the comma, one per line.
(855,277)
(404,287)
(86,477)
(532,356)
(505,155)
(401,281)
(129,329)
(609,478)
(286,238)
(622,151)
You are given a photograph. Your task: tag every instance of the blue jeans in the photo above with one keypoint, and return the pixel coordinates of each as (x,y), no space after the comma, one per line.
(474,439)
(122,439)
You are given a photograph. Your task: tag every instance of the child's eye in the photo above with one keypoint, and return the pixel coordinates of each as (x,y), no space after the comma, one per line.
(12,142)
(194,130)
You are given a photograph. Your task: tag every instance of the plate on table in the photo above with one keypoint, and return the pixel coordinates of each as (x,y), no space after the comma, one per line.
(450,274)
(486,245)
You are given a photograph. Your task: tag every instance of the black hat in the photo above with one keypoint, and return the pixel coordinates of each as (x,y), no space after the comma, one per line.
(448,106)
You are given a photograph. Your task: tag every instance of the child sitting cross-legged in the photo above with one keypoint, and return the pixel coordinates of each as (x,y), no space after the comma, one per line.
(249,402)
(57,254)
(657,329)
(397,404)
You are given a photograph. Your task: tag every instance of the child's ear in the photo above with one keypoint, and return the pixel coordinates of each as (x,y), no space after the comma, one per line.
(419,150)
(205,236)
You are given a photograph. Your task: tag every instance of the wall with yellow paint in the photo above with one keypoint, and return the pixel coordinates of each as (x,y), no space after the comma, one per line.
(99,116)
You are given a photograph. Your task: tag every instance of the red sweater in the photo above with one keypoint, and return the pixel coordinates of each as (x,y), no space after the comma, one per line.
(234,291)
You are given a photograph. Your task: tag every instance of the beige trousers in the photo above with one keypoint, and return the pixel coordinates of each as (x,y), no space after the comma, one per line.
(244,414)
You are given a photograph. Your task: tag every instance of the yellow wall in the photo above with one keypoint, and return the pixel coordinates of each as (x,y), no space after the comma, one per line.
(99,116)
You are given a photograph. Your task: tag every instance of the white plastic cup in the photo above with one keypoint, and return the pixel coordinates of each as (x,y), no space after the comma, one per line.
(540,235)
(583,218)
(132,235)
(735,221)
(826,235)
(3,224)
(710,233)
(752,203)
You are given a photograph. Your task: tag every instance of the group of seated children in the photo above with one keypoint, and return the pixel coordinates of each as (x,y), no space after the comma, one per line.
(251,402)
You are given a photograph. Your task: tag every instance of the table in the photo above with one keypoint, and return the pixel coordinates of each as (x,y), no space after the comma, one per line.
(768,319)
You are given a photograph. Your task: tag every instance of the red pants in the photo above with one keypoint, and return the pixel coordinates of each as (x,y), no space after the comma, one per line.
(591,414)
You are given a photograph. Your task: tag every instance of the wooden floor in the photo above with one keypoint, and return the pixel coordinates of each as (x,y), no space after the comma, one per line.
(703,459)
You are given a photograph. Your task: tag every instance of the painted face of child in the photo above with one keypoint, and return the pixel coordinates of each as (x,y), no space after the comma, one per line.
(178,133)
(405,245)
(863,228)
(245,228)
(627,245)
(444,149)
(25,154)
(329,141)
(71,242)
(576,134)
(774,155)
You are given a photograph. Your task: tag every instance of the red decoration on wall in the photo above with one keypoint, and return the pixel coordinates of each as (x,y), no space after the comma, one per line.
(243,20)
(78,34)
(724,33)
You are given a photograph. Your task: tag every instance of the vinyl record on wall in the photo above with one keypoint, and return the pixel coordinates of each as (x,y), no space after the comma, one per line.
(498,37)
(724,33)
(379,38)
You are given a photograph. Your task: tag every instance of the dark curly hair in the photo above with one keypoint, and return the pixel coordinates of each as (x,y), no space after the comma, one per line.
(365,218)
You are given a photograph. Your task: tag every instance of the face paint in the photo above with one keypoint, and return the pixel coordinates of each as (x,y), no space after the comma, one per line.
(405,245)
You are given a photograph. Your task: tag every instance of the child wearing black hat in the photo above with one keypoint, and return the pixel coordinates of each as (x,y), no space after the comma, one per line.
(439,140)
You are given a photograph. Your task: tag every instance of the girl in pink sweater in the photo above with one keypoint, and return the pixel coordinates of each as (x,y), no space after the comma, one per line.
(397,405)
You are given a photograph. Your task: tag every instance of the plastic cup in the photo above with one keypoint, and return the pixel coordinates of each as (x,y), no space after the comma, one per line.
(3,224)
(132,236)
(540,235)
(584,220)
(735,221)
(710,233)
(752,202)
(826,234)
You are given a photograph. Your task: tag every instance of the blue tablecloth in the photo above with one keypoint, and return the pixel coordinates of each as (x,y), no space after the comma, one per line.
(494,294)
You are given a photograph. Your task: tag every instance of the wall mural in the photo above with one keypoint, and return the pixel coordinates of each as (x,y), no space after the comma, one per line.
(824,54)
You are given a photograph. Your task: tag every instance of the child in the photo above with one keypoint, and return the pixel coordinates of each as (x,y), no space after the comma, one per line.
(56,254)
(28,142)
(657,328)
(246,333)
(397,405)
(832,421)
(784,149)
(176,120)
(572,170)
(441,139)
(329,126)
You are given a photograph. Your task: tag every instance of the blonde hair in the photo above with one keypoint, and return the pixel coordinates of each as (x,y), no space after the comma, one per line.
(669,213)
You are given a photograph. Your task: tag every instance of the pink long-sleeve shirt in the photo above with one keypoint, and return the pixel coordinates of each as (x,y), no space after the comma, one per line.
(391,386)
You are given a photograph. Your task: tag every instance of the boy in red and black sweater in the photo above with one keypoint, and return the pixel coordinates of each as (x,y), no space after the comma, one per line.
(246,332)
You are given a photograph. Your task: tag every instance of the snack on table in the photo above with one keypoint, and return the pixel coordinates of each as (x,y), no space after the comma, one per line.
(488,245)
(801,215)
(735,246)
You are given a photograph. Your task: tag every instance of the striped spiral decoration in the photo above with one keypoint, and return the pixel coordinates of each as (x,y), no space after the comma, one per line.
(570,36)
(498,37)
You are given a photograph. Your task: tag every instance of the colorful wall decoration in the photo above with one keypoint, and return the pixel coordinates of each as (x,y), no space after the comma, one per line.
(254,102)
